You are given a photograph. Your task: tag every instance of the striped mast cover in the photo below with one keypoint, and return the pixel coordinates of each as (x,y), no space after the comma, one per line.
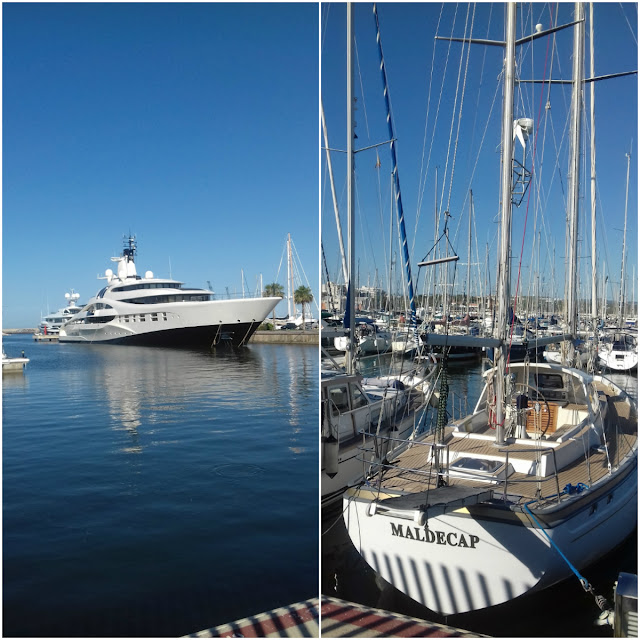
(403,233)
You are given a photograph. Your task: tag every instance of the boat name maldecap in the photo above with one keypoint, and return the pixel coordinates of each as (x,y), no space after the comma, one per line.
(420,534)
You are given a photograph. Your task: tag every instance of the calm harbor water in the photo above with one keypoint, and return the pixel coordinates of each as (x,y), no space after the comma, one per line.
(565,610)
(157,492)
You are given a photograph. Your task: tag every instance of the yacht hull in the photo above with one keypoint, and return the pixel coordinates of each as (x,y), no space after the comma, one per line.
(618,360)
(197,325)
(481,556)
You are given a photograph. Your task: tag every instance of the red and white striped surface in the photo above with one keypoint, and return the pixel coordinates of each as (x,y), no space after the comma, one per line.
(334,618)
(342,619)
(300,620)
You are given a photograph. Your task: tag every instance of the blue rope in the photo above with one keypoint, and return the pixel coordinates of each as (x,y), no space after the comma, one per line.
(403,233)
(583,581)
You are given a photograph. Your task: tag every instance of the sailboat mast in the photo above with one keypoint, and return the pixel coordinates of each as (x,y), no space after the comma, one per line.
(594,292)
(504,293)
(400,210)
(350,190)
(469,251)
(624,249)
(333,194)
(291,303)
(436,233)
(574,174)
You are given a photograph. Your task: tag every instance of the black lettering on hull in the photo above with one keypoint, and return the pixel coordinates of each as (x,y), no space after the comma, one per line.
(433,536)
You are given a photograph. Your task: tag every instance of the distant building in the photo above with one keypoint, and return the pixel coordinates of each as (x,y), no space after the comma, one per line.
(333,296)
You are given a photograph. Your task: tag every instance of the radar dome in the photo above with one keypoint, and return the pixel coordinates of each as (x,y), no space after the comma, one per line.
(108,273)
(67,295)
(526,124)
(148,274)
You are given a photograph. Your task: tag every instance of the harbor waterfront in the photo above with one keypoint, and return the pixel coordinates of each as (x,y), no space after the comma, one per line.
(571,611)
(154,491)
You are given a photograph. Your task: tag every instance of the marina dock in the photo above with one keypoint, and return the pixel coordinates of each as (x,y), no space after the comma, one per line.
(342,619)
(334,618)
(287,337)
(300,620)
(45,337)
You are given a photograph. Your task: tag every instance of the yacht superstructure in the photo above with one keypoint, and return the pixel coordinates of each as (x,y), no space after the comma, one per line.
(51,323)
(147,310)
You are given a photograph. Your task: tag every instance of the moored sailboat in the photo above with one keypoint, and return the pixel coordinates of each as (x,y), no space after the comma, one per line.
(363,420)
(515,496)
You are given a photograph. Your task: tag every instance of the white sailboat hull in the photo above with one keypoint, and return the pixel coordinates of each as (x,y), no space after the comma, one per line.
(353,462)
(461,561)
(389,406)
(618,360)
(379,343)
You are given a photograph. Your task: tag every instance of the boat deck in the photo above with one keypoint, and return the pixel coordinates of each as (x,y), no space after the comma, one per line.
(412,472)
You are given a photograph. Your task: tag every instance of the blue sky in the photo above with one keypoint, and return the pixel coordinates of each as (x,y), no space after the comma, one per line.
(415,66)
(193,126)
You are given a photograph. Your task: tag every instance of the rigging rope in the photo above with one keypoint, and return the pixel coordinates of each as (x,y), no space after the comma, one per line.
(601,601)
(464,86)
(533,159)
(423,183)
(453,111)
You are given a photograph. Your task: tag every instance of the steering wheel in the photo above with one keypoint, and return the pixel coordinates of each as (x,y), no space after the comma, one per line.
(520,387)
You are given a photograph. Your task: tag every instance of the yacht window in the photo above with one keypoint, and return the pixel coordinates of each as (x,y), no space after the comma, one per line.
(154,317)
(548,381)
(149,285)
(358,399)
(184,297)
(478,464)
(99,319)
(339,400)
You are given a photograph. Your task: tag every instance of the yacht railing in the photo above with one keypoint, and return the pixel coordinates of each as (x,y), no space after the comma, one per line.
(375,467)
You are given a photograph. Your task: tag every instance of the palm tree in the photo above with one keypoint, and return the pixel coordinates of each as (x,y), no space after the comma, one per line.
(273,290)
(302,295)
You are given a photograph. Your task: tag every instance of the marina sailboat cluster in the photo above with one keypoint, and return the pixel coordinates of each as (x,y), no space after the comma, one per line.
(539,480)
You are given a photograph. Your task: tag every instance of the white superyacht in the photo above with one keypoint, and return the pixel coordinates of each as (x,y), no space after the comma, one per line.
(51,323)
(138,310)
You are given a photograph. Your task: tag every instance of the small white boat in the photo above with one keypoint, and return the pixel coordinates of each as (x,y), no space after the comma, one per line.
(403,342)
(369,339)
(363,419)
(13,365)
(553,355)
(619,351)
